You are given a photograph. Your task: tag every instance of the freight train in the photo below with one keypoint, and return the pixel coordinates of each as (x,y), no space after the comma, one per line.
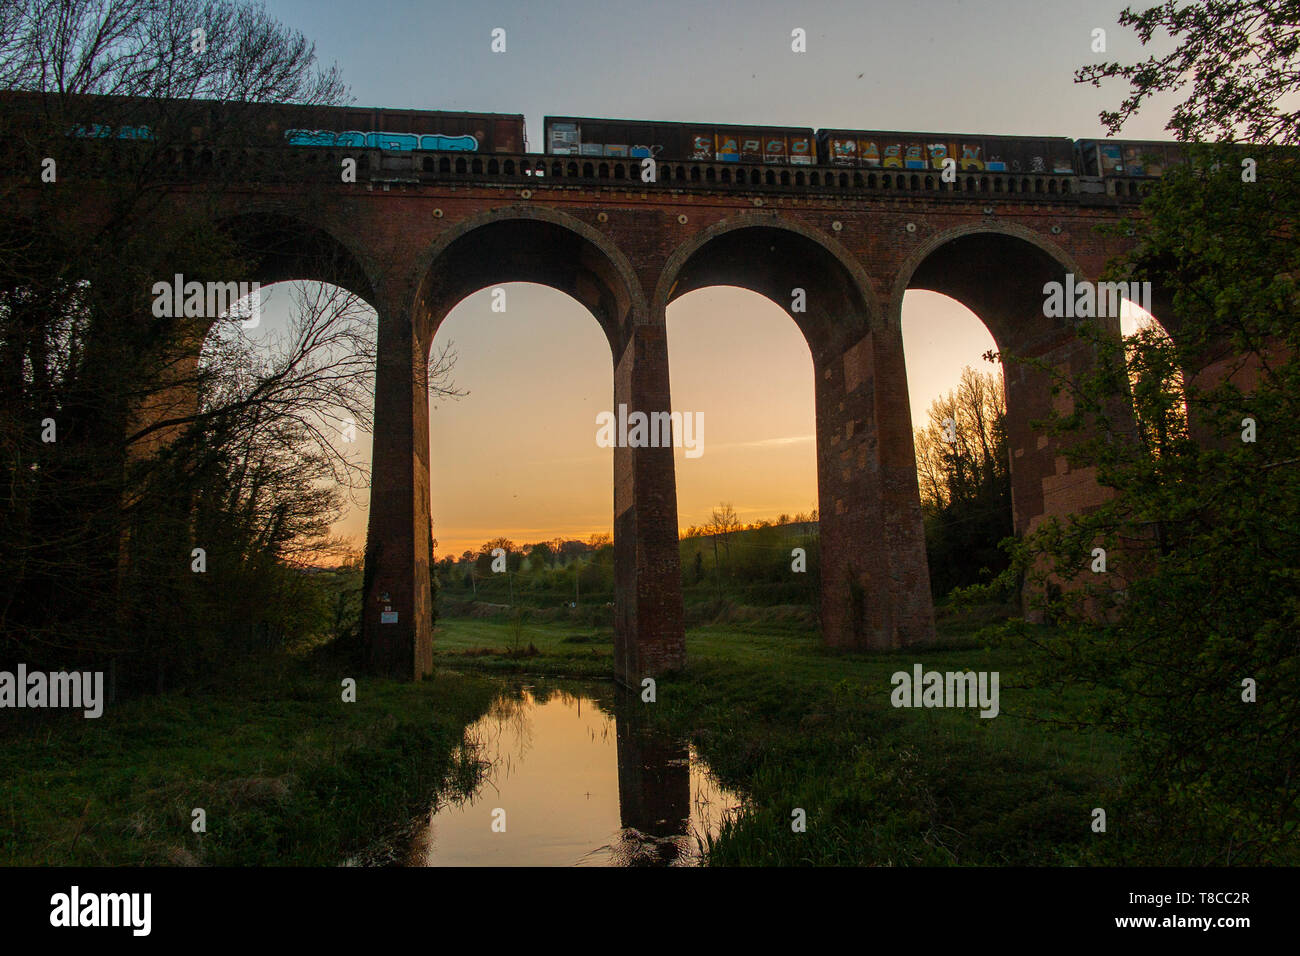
(880,149)
(578,137)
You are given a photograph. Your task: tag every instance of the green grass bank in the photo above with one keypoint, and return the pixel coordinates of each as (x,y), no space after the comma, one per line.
(286,772)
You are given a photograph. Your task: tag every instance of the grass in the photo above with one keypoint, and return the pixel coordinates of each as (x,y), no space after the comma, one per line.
(286,772)
(793,725)
(289,774)
(562,649)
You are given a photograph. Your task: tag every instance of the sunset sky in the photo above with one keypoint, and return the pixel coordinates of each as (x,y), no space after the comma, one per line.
(517,455)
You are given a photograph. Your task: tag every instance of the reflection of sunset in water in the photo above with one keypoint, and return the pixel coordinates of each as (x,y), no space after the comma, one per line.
(578,788)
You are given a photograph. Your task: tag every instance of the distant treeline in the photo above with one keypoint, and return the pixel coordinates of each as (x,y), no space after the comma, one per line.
(721,559)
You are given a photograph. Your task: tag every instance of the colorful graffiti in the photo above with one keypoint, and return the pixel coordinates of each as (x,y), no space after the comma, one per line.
(390,141)
(97,131)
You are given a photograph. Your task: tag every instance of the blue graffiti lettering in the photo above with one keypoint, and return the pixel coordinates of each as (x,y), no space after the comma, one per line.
(307,137)
(389,141)
(462,144)
(98,131)
(398,141)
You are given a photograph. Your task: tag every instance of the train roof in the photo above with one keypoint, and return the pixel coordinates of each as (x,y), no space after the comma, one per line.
(923,135)
(118,99)
(408,112)
(643,122)
(1130,142)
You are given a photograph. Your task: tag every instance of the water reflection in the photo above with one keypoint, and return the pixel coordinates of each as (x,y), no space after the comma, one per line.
(577,776)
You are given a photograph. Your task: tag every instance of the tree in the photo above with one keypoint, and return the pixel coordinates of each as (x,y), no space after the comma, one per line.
(79,345)
(1242,60)
(571,549)
(514,556)
(541,555)
(965,481)
(172,434)
(1187,639)
(723,523)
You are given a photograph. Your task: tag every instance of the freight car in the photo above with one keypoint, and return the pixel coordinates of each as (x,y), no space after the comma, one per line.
(266,124)
(405,130)
(898,150)
(1125,157)
(586,136)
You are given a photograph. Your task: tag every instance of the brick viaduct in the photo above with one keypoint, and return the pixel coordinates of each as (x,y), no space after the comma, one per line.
(417,233)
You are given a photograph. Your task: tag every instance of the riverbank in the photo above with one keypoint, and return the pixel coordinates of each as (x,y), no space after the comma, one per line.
(794,726)
(285,771)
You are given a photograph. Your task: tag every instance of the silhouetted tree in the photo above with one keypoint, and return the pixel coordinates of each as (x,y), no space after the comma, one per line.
(965,481)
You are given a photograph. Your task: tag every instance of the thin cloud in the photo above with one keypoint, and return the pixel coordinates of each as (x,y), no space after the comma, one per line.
(766,442)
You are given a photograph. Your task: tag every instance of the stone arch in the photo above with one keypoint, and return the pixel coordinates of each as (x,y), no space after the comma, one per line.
(494,247)
(875,588)
(276,245)
(998,271)
(966,287)
(294,245)
(519,243)
(850,309)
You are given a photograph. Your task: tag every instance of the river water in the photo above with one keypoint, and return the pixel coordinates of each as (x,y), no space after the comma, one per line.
(576,778)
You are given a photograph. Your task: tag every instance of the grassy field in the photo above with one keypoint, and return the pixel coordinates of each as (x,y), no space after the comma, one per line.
(792,725)
(286,771)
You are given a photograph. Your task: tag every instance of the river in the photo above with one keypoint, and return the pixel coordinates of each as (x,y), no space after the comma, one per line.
(575,776)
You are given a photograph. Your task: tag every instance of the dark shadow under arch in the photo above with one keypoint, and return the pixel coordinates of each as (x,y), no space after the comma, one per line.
(998,275)
(774,258)
(279,247)
(530,245)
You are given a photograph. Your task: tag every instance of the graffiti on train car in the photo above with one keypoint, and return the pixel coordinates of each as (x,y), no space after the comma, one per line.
(889,151)
(98,131)
(390,141)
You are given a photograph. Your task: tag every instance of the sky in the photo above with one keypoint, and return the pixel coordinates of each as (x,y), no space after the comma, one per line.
(516,455)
